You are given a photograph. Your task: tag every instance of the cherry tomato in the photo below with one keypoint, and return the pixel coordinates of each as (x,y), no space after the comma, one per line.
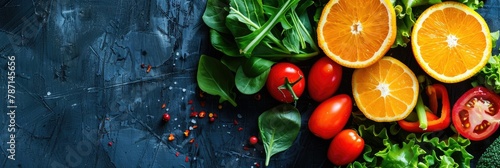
(253,140)
(281,75)
(476,115)
(345,147)
(330,117)
(324,79)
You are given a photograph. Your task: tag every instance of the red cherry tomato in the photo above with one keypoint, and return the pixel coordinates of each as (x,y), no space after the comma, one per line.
(345,147)
(253,140)
(330,117)
(281,72)
(324,79)
(476,114)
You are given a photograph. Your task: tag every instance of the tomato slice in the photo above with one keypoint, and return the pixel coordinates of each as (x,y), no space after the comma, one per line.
(476,114)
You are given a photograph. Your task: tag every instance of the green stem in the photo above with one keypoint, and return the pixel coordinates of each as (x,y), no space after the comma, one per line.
(422,117)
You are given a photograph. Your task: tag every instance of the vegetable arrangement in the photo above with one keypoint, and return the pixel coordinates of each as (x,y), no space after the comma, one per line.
(261,42)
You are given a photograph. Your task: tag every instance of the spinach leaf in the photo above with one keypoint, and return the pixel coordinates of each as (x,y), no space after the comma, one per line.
(216,79)
(233,63)
(215,15)
(255,66)
(279,126)
(224,43)
(250,85)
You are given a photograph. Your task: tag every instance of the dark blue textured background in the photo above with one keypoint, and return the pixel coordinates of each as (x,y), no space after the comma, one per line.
(80,85)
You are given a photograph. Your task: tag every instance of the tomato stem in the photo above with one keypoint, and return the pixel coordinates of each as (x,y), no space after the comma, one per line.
(289,86)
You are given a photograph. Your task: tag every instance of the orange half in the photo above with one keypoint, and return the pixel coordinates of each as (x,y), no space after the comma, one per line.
(357,33)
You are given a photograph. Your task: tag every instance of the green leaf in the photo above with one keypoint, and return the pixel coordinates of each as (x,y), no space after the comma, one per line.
(224,43)
(216,79)
(233,63)
(215,15)
(255,66)
(248,42)
(250,85)
(279,127)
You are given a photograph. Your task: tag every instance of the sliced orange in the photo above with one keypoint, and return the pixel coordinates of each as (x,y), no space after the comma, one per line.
(385,91)
(357,33)
(451,42)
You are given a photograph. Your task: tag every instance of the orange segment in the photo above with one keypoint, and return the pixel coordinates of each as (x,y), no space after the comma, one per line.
(357,33)
(385,91)
(451,42)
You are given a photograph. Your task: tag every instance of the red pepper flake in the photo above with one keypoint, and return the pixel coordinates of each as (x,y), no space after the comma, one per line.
(143,66)
(256,164)
(235,122)
(187,159)
(257,96)
(211,119)
(201,94)
(191,140)
(110,143)
(186,133)
(240,129)
(190,102)
(195,126)
(166,117)
(219,106)
(210,115)
(177,154)
(245,148)
(215,115)
(202,103)
(202,114)
(193,114)
(149,69)
(171,137)
(164,105)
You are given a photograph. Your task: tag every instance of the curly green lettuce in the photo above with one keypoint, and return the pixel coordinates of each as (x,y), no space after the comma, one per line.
(489,76)
(398,149)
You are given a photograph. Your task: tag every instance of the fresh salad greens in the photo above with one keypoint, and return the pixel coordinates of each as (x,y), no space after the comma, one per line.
(215,79)
(395,148)
(279,126)
(252,34)
(407,12)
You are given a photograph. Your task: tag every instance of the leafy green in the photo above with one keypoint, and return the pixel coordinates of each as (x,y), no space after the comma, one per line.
(394,148)
(215,79)
(279,126)
(251,76)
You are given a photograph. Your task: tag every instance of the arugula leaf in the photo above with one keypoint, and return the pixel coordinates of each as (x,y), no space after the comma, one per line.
(216,79)
(279,126)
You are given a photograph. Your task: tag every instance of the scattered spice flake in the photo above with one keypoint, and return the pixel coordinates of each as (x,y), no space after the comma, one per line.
(143,66)
(202,103)
(202,114)
(202,94)
(219,106)
(191,140)
(257,96)
(192,108)
(164,105)
(149,69)
(187,159)
(190,101)
(107,118)
(210,115)
(195,126)
(235,122)
(193,114)
(240,129)
(246,148)
(256,164)
(186,133)
(215,115)
(171,137)
(211,119)
(177,154)
(110,143)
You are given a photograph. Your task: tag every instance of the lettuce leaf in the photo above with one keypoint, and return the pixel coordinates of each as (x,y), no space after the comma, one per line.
(489,76)
(394,148)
